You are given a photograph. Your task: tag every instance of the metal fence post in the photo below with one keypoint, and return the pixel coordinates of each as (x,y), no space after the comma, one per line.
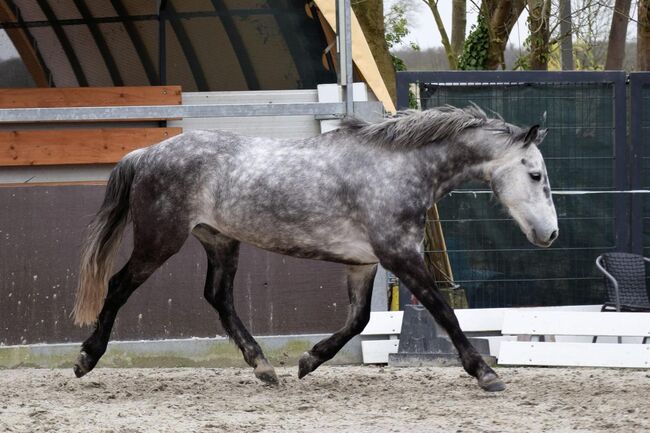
(637,82)
(621,166)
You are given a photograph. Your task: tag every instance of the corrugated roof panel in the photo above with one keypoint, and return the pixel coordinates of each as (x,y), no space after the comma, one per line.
(178,70)
(101,9)
(257,4)
(126,58)
(211,44)
(140,7)
(148,33)
(92,61)
(193,5)
(65,9)
(215,55)
(269,55)
(29,10)
(54,57)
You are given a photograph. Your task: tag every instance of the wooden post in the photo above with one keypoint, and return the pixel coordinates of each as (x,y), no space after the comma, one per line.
(437,260)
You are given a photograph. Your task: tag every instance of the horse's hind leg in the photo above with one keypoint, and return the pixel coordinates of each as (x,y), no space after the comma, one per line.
(223,255)
(409,267)
(150,251)
(360,282)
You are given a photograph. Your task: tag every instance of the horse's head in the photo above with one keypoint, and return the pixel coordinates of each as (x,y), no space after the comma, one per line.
(520,182)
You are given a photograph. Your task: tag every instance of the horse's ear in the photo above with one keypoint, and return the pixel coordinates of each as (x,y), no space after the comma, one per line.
(531,135)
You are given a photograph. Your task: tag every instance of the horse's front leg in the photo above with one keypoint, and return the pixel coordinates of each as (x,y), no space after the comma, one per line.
(408,265)
(360,282)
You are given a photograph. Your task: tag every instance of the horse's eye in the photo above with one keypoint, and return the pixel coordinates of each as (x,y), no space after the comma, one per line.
(536,176)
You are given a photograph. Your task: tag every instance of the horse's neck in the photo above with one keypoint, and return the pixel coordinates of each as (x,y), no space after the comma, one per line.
(452,164)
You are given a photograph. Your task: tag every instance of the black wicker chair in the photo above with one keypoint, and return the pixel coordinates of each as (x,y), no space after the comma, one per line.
(625,279)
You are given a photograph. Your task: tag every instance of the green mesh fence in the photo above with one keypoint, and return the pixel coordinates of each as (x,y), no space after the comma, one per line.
(490,257)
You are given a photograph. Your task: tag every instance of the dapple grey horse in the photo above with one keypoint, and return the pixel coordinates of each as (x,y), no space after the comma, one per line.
(357,195)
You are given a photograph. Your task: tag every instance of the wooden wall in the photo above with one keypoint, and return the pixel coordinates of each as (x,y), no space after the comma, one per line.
(40,232)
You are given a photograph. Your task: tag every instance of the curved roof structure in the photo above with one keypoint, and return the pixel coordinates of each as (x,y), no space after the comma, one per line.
(199,44)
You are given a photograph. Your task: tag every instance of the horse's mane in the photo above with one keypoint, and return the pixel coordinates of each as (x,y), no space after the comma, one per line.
(411,128)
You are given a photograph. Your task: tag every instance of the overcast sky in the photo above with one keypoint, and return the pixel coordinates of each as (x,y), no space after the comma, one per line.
(6,47)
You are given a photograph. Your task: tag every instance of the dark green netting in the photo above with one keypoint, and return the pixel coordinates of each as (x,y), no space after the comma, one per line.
(490,257)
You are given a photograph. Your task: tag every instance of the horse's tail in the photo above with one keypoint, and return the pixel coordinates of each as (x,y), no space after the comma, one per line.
(102,242)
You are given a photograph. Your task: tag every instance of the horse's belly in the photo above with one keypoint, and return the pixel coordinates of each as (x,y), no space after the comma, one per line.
(338,245)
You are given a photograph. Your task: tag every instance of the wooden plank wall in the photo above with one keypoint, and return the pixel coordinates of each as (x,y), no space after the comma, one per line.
(92,144)
(76,146)
(90,97)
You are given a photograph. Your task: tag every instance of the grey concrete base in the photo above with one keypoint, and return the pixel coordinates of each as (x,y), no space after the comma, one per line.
(198,352)
(430,360)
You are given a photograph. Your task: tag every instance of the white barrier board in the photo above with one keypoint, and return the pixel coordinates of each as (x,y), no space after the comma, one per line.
(574,354)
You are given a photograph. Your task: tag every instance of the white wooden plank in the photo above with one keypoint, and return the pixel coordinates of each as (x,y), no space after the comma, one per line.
(376,351)
(480,319)
(250,97)
(495,342)
(266,126)
(384,323)
(576,323)
(491,319)
(575,354)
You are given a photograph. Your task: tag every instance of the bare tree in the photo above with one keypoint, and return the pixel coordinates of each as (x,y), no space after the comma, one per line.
(458,25)
(591,21)
(452,55)
(618,35)
(539,16)
(643,36)
(501,17)
(566,35)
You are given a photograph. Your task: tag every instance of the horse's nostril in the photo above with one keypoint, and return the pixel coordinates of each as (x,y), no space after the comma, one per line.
(553,236)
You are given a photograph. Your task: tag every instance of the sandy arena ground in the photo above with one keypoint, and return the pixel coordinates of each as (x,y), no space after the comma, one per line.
(333,399)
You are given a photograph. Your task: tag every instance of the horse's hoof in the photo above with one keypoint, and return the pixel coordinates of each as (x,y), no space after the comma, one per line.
(265,372)
(307,364)
(83,365)
(491,383)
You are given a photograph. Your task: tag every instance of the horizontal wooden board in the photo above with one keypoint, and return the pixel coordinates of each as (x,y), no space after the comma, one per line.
(76,146)
(576,323)
(575,354)
(384,323)
(376,351)
(90,96)
(491,319)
